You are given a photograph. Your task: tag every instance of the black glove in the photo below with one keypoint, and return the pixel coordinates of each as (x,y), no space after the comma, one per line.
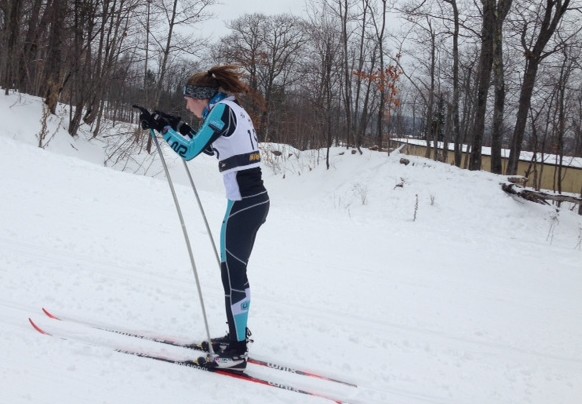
(150,121)
(176,123)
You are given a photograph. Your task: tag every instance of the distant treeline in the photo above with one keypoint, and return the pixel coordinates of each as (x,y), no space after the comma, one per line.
(499,73)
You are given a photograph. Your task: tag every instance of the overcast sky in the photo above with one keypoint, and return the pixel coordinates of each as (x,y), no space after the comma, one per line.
(228,10)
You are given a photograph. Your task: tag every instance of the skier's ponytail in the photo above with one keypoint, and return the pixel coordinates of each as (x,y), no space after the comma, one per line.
(226,78)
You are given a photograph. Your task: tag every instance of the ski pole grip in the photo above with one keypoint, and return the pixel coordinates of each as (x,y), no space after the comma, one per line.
(142,109)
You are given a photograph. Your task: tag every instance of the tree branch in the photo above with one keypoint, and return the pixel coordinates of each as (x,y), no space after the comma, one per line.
(538,196)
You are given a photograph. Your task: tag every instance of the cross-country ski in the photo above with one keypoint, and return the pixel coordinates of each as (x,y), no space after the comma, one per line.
(200,346)
(247,376)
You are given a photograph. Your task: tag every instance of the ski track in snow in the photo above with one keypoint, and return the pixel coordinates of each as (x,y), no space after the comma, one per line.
(477,301)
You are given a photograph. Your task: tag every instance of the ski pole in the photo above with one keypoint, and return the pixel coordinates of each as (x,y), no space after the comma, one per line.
(188,245)
(203,214)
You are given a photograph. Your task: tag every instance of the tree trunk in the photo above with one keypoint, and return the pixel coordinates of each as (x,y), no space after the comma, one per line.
(430,107)
(521,118)
(384,79)
(13,31)
(29,49)
(343,5)
(499,81)
(54,62)
(456,93)
(484,80)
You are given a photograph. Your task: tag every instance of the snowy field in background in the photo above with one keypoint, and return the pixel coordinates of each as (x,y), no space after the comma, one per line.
(478,300)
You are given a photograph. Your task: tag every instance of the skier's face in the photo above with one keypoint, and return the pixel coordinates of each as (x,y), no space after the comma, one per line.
(196,106)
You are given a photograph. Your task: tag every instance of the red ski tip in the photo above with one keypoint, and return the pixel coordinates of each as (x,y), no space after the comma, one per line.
(37,328)
(49,314)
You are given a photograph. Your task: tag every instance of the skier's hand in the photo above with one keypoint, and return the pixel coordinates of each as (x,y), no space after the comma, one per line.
(176,123)
(150,121)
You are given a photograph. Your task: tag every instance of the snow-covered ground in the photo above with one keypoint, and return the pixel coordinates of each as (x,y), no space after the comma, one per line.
(421,283)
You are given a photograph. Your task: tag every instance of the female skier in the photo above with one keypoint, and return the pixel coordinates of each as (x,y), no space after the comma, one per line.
(227,132)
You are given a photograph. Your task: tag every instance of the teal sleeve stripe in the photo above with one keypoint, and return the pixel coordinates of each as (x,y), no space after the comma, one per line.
(208,133)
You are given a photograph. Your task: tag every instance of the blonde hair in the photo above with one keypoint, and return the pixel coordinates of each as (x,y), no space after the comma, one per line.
(225,77)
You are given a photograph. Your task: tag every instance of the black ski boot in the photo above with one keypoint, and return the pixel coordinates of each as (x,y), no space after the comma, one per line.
(233,358)
(219,344)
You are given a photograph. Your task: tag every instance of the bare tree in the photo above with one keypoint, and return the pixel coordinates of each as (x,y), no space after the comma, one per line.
(380,29)
(28,64)
(268,48)
(12,33)
(54,79)
(363,82)
(536,31)
(456,132)
(494,13)
(323,88)
(175,13)
(344,15)
(561,116)
(437,28)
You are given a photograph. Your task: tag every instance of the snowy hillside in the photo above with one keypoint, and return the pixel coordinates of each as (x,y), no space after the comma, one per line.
(476,300)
